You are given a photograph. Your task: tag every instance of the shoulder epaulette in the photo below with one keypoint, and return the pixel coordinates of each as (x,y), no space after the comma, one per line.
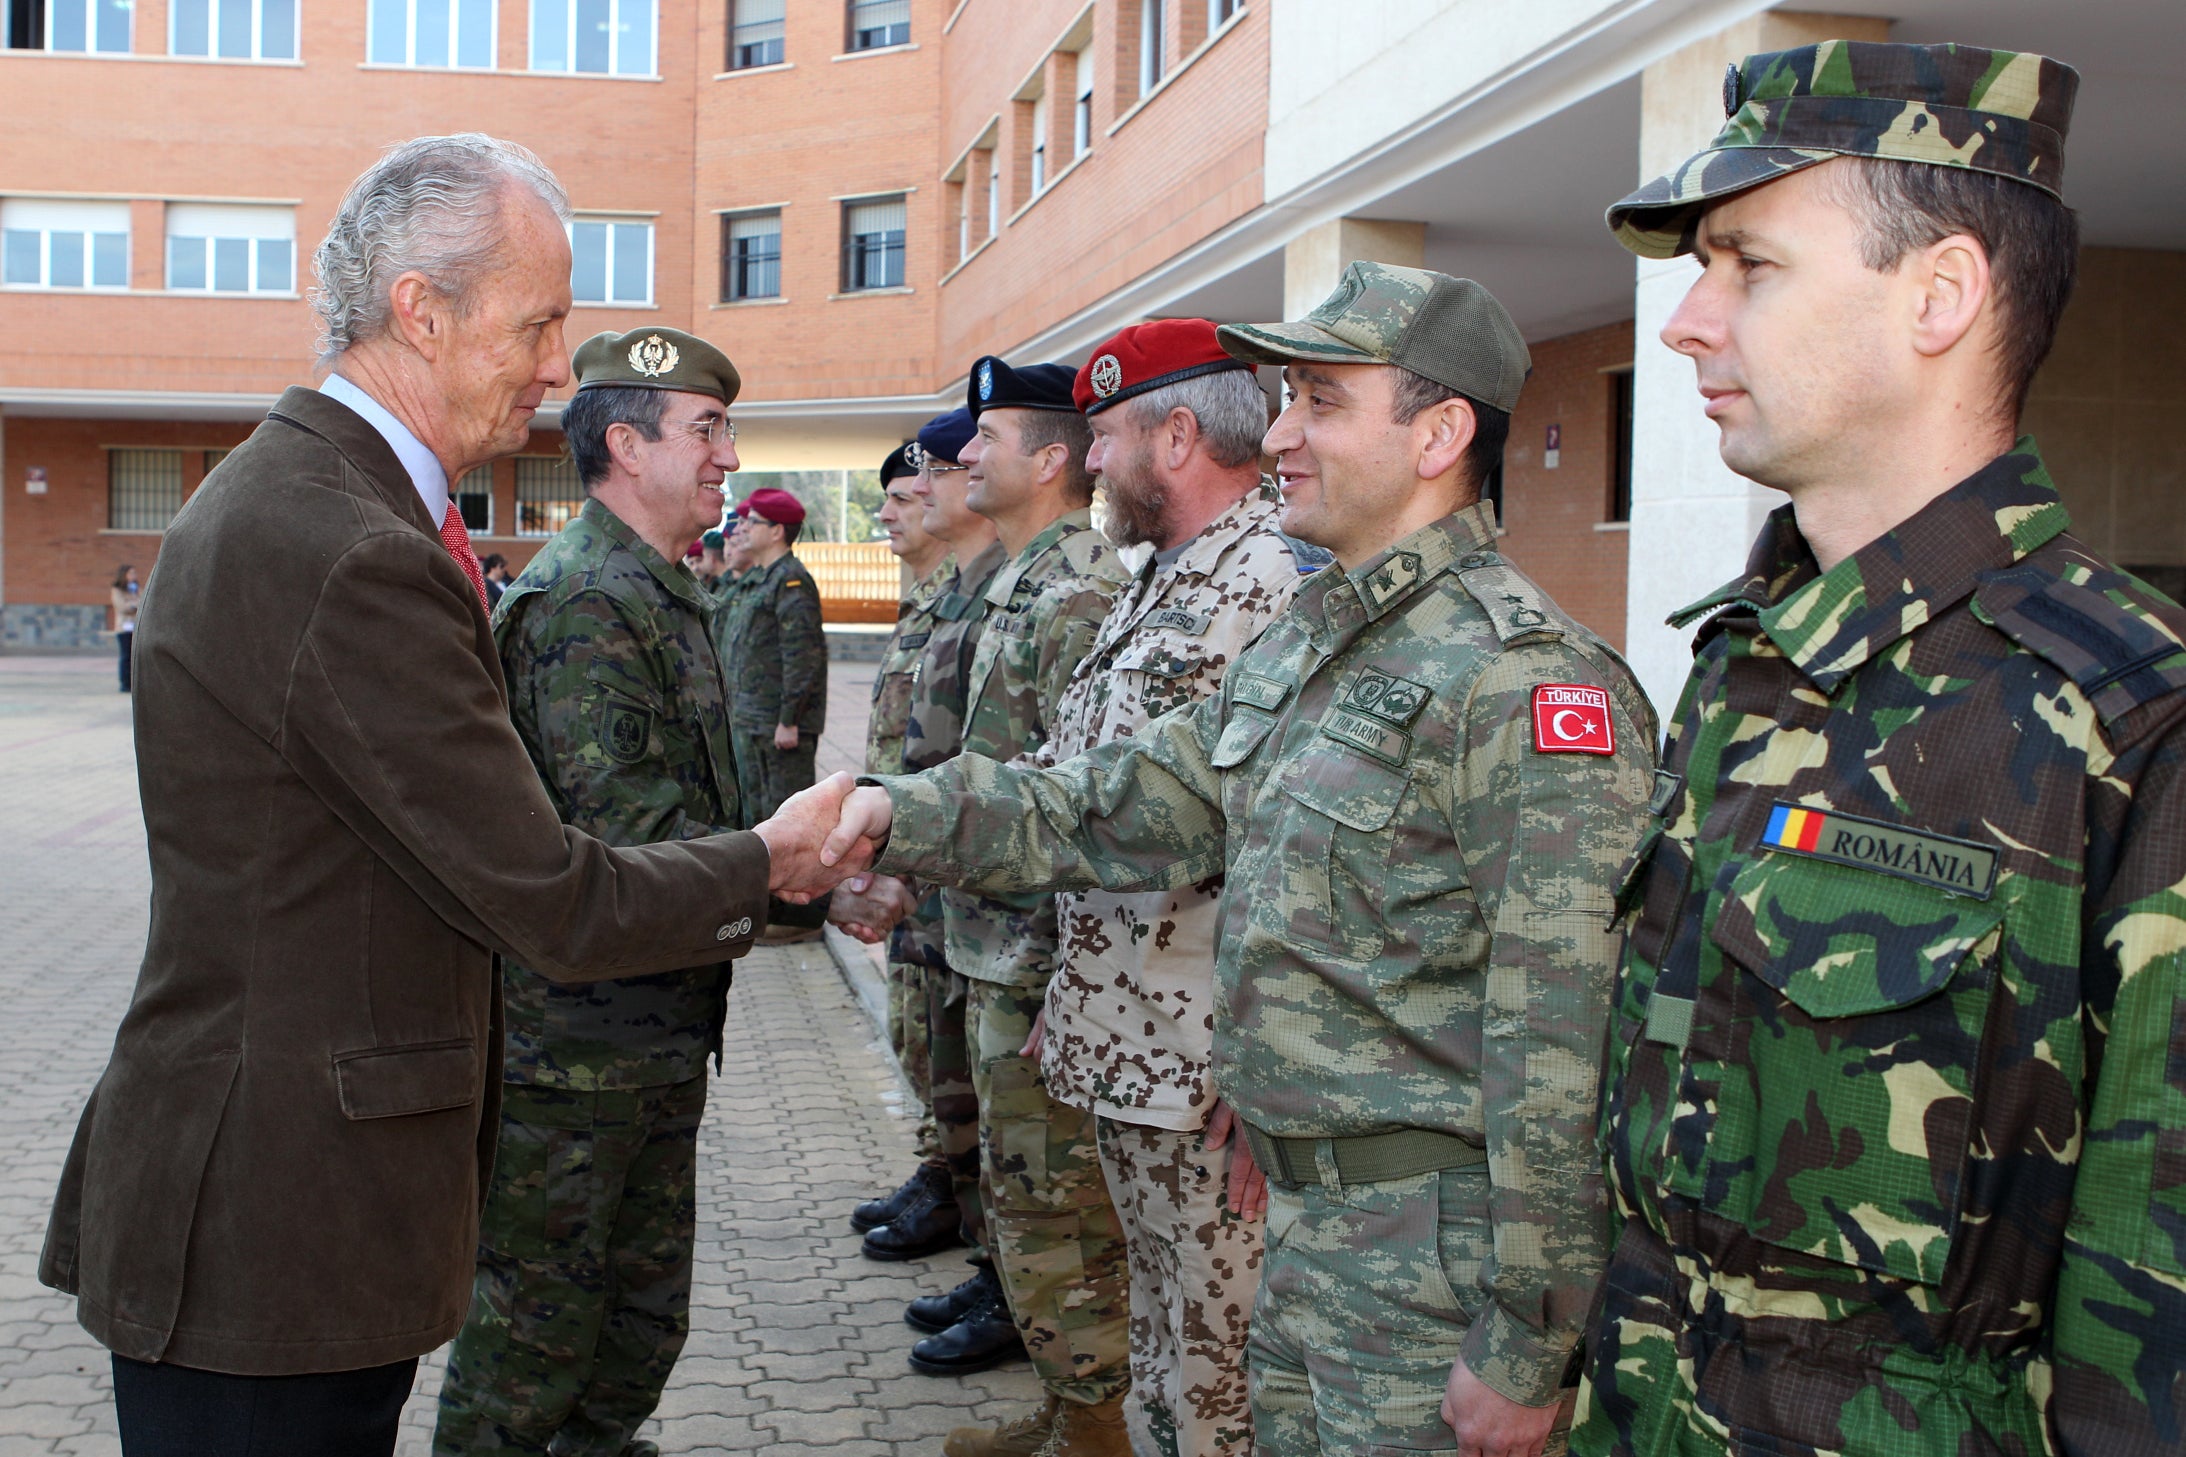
(1508,596)
(2119,640)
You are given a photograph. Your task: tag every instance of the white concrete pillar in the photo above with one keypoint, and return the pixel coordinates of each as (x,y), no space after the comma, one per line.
(1693,519)
(1314,261)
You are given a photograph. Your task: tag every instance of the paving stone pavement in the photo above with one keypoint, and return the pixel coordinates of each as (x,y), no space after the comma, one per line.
(797,1343)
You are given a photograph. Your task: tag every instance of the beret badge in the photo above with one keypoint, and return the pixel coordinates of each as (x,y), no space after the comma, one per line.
(1107,375)
(986,381)
(653,356)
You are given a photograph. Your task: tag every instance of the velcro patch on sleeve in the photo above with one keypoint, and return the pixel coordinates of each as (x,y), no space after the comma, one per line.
(1572,718)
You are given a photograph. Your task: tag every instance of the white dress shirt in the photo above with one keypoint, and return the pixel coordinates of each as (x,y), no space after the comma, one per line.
(424,467)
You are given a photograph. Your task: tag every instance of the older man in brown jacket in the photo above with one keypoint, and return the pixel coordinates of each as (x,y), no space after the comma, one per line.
(271,1206)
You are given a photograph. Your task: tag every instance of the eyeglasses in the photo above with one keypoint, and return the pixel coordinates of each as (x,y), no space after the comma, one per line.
(936,468)
(713,430)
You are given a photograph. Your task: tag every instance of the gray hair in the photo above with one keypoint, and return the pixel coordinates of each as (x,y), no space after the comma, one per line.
(591,413)
(1231,411)
(419,208)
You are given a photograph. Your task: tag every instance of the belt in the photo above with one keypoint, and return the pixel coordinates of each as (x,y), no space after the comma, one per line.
(1367,1159)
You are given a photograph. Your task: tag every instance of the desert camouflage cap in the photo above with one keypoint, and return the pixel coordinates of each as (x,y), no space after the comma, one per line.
(2003,112)
(1449,330)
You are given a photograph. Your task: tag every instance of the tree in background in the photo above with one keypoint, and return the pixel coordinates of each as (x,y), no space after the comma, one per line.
(839,505)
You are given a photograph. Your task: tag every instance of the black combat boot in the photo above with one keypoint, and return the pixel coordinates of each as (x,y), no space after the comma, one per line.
(934,1314)
(985,1338)
(874,1213)
(931,1222)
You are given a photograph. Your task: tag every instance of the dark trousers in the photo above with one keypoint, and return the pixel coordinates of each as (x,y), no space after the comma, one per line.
(179,1411)
(127,642)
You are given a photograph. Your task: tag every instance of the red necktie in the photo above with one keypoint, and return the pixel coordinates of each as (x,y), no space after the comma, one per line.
(458,541)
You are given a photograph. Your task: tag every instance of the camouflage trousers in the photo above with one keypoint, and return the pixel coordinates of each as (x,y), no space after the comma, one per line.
(583,1294)
(765,775)
(910,1038)
(955,1100)
(1195,1266)
(1365,1299)
(1056,1239)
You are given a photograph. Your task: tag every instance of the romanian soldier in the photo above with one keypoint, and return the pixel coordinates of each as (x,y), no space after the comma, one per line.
(1898,1091)
(1421,781)
(584,1260)
(778,656)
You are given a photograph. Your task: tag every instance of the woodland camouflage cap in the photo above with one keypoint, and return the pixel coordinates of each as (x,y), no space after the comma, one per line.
(2003,112)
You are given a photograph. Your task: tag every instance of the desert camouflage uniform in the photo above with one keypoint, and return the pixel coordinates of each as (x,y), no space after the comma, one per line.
(1897,1106)
(934,734)
(1130,1011)
(777,662)
(884,729)
(584,1265)
(1415,942)
(1053,1233)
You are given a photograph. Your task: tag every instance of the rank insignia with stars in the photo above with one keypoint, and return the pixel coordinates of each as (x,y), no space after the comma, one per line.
(1386,696)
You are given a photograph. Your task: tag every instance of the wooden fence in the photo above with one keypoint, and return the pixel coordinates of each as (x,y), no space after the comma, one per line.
(858,581)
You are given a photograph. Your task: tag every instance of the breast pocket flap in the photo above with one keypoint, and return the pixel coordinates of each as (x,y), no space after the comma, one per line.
(1240,736)
(1349,788)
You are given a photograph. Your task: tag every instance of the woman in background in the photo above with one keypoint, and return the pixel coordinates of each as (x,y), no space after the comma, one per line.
(126,596)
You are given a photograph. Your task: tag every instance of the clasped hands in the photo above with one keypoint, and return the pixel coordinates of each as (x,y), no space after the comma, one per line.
(826,835)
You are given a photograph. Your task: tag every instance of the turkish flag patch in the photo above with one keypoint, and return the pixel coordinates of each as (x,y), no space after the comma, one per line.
(1572,718)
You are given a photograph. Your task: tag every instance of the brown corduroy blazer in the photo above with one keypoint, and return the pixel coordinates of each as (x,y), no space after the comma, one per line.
(281,1169)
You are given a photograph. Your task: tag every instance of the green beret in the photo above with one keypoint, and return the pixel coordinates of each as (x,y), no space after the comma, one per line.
(657,359)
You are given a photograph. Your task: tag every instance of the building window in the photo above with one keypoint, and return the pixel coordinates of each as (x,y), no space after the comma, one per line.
(877,23)
(1081,111)
(1620,445)
(143,489)
(755,33)
(873,244)
(53,244)
(994,193)
(1220,11)
(1151,48)
(548,495)
(610,263)
(751,256)
(216,249)
(473,496)
(964,217)
(68,25)
(594,37)
(1039,144)
(428,33)
(234,30)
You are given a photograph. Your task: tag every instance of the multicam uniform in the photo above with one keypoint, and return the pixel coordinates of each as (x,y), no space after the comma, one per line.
(778,662)
(884,730)
(584,1272)
(1413,966)
(934,734)
(1050,1227)
(1130,1011)
(1898,1079)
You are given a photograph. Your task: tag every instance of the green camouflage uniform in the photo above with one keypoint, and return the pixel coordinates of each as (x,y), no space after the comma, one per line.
(1415,942)
(1897,1115)
(934,734)
(777,660)
(1054,1235)
(890,717)
(584,1268)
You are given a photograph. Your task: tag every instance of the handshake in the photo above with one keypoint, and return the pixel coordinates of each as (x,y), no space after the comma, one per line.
(826,838)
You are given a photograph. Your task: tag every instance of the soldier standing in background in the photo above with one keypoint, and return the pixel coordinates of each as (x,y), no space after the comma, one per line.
(1897,1112)
(777,657)
(1421,781)
(931,566)
(582,1299)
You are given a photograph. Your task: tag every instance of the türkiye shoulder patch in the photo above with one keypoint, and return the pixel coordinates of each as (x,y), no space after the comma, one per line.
(1572,718)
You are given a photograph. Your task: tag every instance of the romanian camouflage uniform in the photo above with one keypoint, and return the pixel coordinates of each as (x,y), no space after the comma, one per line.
(934,734)
(777,661)
(1052,1231)
(1898,1076)
(1412,969)
(1130,1011)
(884,730)
(584,1262)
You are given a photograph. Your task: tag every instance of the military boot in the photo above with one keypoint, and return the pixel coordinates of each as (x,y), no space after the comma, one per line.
(1089,1431)
(929,1223)
(1025,1437)
(984,1338)
(874,1213)
(934,1314)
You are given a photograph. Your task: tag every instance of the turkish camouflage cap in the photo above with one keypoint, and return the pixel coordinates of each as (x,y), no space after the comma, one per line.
(656,359)
(1449,330)
(2003,112)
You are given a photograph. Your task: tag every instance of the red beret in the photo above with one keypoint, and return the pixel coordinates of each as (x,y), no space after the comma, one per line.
(779,507)
(1146,357)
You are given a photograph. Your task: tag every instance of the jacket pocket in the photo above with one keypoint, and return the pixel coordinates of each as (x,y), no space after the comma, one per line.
(1337,843)
(392,1082)
(1846,1114)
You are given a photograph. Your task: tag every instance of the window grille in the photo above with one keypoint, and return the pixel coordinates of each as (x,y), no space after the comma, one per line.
(473,496)
(548,495)
(751,256)
(873,233)
(143,489)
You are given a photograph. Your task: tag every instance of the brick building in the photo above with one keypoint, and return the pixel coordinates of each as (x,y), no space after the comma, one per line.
(855,198)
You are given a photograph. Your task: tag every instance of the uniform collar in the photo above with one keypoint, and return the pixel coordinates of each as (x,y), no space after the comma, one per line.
(672,575)
(1005,581)
(1830,623)
(1337,604)
(426,473)
(1203,554)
